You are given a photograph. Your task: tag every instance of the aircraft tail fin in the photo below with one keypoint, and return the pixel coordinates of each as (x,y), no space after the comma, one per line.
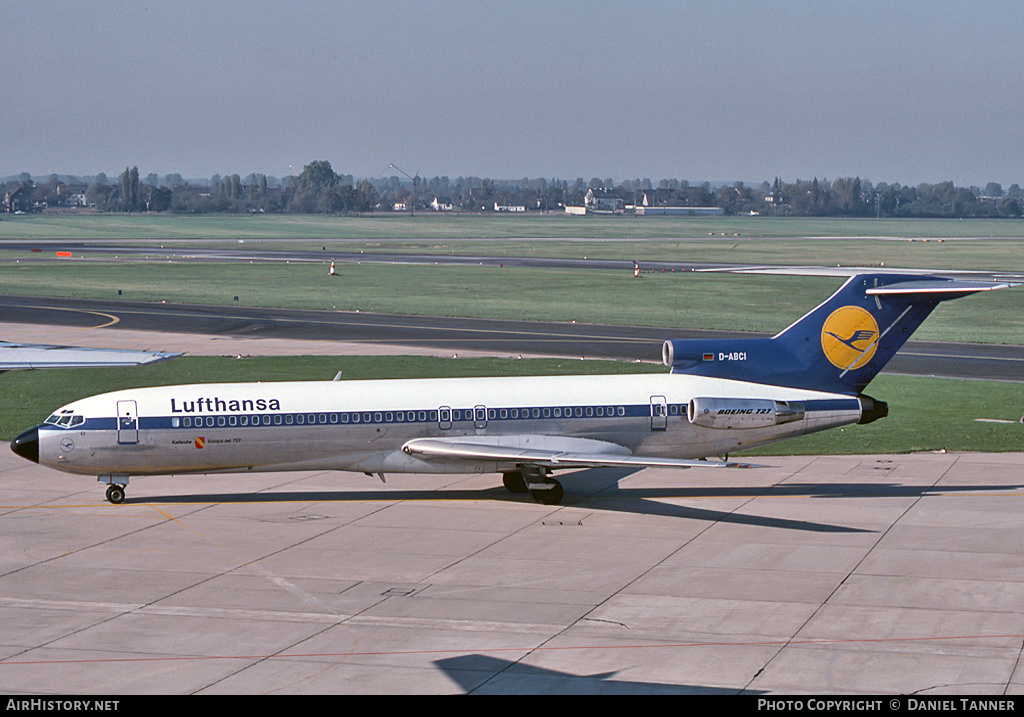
(839,346)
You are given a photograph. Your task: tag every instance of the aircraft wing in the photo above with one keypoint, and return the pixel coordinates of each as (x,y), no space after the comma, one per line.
(550,452)
(35,356)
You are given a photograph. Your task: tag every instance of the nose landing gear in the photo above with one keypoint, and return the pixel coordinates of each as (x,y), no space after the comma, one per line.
(115,487)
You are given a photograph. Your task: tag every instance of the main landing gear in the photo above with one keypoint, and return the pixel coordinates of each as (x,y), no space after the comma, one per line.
(537,481)
(115,487)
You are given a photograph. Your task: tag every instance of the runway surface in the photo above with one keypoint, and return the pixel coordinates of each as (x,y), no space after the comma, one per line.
(510,338)
(817,575)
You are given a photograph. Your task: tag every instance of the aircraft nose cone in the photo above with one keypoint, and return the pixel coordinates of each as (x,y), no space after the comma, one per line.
(26,445)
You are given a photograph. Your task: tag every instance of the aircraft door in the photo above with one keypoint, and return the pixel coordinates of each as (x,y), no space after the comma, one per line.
(659,413)
(127,423)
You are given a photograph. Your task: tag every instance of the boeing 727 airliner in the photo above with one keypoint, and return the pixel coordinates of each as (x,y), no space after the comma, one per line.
(719,397)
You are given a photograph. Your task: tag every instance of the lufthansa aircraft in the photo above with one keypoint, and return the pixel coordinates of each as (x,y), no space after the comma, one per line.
(720,396)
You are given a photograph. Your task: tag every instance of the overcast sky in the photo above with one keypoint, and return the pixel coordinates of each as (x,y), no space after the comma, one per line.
(899,91)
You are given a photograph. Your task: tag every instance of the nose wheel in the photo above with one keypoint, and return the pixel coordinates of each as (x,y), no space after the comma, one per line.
(115,487)
(115,494)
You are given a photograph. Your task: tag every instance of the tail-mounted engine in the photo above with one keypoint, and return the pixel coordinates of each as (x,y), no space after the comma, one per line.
(742,412)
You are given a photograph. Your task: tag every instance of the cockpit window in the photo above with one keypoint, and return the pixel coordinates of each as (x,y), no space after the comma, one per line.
(65,420)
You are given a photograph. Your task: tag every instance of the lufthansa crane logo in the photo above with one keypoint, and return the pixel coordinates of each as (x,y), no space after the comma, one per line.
(849,337)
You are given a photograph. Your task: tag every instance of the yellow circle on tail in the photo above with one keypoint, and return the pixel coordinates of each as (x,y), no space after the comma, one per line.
(849,337)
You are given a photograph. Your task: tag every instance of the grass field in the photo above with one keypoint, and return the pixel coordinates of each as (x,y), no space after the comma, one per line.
(484,226)
(925,413)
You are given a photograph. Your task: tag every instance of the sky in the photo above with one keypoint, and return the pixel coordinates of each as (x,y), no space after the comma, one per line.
(901,91)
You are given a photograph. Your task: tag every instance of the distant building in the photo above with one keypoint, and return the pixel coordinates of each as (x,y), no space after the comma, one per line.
(440,206)
(680,211)
(603,203)
(508,208)
(18,200)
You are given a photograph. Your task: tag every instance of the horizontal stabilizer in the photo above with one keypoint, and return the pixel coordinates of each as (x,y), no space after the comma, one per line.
(937,290)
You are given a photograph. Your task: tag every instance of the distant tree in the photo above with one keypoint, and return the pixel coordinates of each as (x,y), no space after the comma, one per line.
(1010,207)
(126,189)
(993,189)
(133,186)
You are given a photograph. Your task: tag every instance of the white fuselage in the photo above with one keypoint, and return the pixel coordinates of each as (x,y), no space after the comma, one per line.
(363,425)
